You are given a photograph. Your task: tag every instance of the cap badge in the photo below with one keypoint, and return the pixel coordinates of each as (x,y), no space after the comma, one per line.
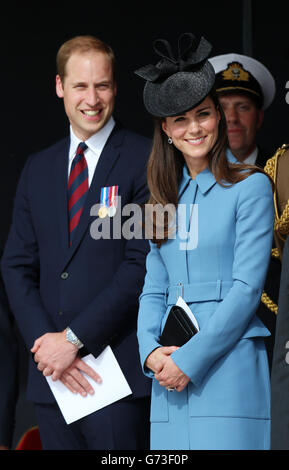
(235,71)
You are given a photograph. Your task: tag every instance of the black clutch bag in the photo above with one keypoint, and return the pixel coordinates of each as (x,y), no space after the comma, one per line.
(178,328)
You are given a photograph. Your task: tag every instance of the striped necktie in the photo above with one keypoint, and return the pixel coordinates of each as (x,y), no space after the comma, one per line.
(77,189)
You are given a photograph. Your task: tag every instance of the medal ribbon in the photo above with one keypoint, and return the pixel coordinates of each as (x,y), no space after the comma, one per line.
(113,190)
(108,196)
(104,197)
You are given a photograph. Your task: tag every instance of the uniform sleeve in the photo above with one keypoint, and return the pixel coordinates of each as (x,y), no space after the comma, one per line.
(254,232)
(280,365)
(152,304)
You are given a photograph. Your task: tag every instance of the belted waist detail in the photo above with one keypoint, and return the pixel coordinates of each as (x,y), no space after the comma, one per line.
(199,291)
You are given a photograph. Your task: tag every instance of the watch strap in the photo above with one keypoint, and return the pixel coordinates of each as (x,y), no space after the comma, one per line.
(72,338)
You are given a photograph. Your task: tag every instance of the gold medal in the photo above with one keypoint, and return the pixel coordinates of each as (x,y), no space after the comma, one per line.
(102,212)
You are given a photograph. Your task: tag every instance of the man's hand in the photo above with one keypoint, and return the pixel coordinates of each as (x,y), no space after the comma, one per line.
(157,358)
(171,376)
(74,379)
(54,354)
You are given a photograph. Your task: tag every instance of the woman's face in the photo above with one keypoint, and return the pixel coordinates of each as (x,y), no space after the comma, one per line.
(195,132)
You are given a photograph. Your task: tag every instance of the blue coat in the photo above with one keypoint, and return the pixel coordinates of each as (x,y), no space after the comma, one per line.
(226,403)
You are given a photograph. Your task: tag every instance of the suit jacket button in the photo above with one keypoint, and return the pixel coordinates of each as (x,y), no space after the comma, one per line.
(60,313)
(64,275)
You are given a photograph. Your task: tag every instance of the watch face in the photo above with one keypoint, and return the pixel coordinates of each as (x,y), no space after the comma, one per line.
(70,336)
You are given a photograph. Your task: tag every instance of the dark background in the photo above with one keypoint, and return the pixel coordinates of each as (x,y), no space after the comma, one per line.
(32,116)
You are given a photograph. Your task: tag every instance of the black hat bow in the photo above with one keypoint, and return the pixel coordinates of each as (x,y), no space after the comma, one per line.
(189,57)
(177,84)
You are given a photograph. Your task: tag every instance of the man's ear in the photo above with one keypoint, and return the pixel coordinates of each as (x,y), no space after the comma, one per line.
(59,87)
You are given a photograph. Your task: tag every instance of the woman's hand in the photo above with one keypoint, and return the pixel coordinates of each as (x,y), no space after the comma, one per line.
(156,359)
(171,376)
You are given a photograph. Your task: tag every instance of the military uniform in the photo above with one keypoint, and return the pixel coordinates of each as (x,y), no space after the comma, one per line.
(278,168)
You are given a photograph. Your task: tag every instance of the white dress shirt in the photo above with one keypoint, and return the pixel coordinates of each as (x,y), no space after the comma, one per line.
(251,159)
(95,146)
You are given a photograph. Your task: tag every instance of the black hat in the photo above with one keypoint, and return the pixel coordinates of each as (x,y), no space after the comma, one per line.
(236,73)
(174,86)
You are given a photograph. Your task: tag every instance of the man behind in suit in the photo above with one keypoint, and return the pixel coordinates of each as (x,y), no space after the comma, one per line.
(246,88)
(70,292)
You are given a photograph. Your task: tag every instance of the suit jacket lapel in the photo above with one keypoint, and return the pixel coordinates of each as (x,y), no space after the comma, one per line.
(105,163)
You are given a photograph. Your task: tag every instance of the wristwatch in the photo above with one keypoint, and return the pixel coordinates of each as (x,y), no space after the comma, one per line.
(72,338)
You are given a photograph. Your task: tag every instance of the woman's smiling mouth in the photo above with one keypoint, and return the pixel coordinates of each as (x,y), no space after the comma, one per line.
(197,141)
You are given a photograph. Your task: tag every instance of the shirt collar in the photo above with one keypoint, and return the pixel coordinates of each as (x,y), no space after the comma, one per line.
(251,159)
(95,143)
(205,180)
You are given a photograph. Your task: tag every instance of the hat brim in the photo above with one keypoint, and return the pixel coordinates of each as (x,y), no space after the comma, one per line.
(256,68)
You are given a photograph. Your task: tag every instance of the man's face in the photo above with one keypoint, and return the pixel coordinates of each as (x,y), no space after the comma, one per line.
(88,91)
(244,119)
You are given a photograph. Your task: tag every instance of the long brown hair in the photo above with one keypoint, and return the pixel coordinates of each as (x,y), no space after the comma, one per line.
(165,168)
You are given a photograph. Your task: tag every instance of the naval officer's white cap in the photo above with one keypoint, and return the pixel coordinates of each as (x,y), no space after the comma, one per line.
(236,73)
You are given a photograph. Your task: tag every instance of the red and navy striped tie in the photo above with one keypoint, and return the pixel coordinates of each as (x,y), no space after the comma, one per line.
(77,189)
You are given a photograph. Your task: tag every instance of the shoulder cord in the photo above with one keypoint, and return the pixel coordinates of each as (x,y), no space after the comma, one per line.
(281,223)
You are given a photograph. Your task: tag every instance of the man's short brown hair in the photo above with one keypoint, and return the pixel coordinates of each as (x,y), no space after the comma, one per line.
(82,44)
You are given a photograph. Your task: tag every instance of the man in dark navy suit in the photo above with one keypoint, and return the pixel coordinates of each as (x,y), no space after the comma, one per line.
(73,294)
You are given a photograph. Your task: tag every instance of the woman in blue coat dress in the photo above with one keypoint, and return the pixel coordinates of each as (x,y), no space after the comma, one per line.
(212,392)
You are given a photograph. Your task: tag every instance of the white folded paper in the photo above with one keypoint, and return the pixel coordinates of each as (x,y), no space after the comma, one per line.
(184,305)
(113,387)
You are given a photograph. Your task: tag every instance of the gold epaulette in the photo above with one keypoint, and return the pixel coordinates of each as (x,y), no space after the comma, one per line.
(271,167)
(281,222)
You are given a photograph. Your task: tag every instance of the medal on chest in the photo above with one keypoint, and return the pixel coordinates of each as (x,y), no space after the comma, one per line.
(108,201)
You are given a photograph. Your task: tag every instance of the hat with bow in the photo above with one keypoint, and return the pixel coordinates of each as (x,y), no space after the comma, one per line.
(177,84)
